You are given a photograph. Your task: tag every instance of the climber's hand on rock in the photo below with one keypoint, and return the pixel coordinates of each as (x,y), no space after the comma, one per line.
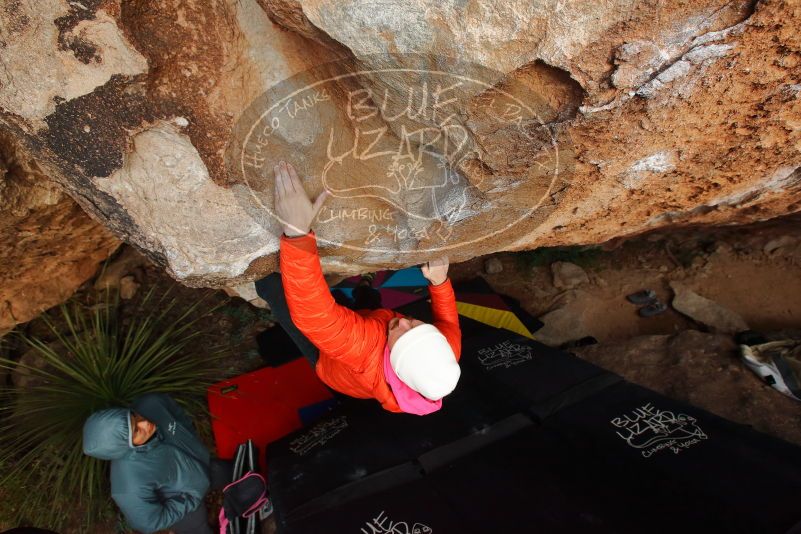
(292,205)
(436,271)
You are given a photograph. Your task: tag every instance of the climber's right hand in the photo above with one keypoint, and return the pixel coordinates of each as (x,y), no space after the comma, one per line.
(436,271)
(292,205)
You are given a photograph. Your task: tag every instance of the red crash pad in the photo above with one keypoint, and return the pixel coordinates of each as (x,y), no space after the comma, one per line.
(262,405)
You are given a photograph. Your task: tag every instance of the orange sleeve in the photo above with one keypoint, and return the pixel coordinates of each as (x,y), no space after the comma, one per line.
(337,331)
(446,317)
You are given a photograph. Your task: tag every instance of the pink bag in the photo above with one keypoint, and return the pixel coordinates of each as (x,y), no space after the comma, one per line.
(242,498)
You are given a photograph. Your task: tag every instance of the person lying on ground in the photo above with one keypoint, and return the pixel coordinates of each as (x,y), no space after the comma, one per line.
(405,364)
(160,471)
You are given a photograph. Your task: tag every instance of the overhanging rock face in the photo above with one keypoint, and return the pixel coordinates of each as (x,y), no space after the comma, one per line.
(48,245)
(440,128)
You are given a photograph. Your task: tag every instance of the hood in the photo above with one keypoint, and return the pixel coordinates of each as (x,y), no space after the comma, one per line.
(107,434)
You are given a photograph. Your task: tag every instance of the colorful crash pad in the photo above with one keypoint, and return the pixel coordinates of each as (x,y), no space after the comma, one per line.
(477,300)
(499,318)
(397,288)
(478,304)
(264,405)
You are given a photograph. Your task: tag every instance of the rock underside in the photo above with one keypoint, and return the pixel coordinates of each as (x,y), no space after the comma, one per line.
(439,127)
(49,246)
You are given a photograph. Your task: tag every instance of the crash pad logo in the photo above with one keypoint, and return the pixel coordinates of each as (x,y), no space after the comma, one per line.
(318,435)
(505,354)
(652,430)
(412,148)
(381,524)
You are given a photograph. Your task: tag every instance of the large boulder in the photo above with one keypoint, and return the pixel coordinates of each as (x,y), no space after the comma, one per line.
(440,128)
(48,245)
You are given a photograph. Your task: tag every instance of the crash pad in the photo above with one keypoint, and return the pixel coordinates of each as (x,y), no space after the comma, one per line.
(263,405)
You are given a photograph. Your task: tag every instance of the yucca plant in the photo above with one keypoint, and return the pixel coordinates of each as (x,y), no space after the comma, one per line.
(97,360)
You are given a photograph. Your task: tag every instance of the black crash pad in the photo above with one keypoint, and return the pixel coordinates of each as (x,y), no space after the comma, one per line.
(625,460)
(372,443)
(538,378)
(361,445)
(510,486)
(343,455)
(676,467)
(415,507)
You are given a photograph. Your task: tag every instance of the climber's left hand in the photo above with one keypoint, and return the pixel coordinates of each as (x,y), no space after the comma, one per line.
(292,205)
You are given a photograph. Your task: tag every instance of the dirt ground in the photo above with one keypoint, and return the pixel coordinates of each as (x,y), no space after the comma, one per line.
(728,266)
(754,271)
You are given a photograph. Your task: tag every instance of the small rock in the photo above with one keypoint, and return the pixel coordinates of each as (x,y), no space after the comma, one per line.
(23,376)
(705,311)
(125,262)
(566,321)
(663,268)
(774,245)
(699,263)
(543,294)
(539,269)
(722,247)
(247,291)
(259,303)
(493,266)
(128,287)
(561,325)
(568,275)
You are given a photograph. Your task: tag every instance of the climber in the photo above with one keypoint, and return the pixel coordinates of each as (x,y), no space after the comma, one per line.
(405,364)
(160,471)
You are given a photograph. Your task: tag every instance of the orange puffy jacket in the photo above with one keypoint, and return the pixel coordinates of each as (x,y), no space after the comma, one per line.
(351,342)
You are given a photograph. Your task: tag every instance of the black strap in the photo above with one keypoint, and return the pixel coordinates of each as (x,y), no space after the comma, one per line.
(369,485)
(575,394)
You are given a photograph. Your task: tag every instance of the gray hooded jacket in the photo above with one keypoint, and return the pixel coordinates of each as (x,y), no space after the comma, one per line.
(158,483)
